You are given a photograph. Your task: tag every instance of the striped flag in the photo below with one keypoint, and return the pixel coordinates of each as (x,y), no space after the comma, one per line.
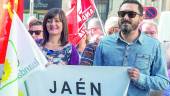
(6,7)
(23,57)
(80,12)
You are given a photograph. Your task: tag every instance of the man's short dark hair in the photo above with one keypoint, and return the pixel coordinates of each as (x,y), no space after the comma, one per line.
(140,7)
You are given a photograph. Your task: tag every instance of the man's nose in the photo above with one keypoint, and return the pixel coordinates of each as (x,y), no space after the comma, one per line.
(34,36)
(126,17)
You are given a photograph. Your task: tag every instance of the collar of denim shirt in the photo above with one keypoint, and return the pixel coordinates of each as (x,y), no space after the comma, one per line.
(138,40)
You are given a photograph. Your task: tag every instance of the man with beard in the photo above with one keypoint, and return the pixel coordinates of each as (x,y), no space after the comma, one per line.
(133,48)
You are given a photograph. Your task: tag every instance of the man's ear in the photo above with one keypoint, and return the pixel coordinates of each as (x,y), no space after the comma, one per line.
(141,18)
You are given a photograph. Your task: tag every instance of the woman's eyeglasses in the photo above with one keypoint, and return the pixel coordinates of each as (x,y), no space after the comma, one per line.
(131,14)
(36,32)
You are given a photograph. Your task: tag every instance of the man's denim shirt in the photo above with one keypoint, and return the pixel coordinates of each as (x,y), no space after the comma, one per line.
(144,53)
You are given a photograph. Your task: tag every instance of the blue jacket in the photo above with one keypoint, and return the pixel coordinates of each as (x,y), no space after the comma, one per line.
(144,53)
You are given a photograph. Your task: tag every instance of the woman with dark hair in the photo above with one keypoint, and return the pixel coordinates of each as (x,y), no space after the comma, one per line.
(55,44)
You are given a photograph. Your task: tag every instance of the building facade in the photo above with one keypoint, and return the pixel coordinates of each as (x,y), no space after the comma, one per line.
(105,8)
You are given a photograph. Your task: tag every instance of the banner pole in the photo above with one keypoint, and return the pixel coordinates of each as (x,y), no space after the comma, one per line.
(99,17)
(31,7)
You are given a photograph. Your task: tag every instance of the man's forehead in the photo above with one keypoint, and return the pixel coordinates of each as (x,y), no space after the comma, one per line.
(148,26)
(149,29)
(129,7)
(37,27)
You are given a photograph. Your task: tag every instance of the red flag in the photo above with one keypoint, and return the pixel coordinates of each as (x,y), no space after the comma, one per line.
(6,7)
(20,8)
(80,12)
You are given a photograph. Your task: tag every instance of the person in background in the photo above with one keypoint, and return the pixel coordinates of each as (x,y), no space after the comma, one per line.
(131,47)
(167,52)
(94,30)
(36,29)
(95,33)
(55,44)
(111,25)
(30,19)
(150,28)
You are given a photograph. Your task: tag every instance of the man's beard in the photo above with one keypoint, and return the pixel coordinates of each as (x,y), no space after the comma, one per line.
(126,28)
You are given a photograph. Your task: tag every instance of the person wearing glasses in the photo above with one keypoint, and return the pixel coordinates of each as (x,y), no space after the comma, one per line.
(55,45)
(36,29)
(132,48)
(94,34)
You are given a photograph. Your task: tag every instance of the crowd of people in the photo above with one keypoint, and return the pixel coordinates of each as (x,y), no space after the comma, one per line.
(130,41)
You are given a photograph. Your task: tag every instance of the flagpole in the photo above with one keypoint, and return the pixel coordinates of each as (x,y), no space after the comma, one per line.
(98,17)
(31,7)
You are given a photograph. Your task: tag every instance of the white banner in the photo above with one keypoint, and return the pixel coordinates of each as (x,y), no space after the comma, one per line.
(79,80)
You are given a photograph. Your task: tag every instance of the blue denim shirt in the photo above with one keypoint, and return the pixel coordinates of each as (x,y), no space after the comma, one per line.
(144,53)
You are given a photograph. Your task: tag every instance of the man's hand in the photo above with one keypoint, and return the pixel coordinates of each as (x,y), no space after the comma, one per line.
(134,73)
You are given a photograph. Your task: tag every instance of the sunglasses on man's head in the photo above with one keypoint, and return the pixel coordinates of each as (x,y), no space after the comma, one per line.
(36,32)
(131,14)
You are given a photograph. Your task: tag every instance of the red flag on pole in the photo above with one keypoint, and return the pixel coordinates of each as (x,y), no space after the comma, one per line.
(80,12)
(20,8)
(6,8)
